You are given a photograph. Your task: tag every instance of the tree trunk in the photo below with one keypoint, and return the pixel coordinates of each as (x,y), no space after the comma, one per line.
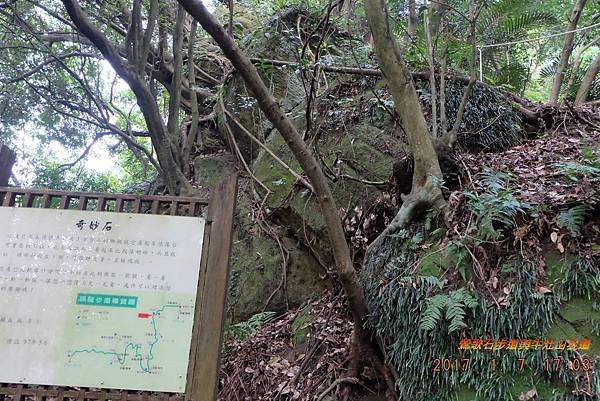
(413,21)
(167,152)
(301,152)
(577,62)
(429,34)
(450,137)
(402,88)
(427,175)
(588,79)
(175,87)
(566,52)
(7,159)
(192,135)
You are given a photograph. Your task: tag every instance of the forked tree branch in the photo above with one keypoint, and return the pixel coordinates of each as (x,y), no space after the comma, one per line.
(167,152)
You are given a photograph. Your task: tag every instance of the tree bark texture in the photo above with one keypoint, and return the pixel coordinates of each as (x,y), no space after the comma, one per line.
(413,23)
(588,79)
(175,88)
(7,160)
(566,52)
(577,62)
(402,88)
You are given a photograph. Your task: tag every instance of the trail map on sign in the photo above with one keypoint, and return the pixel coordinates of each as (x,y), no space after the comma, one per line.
(97,299)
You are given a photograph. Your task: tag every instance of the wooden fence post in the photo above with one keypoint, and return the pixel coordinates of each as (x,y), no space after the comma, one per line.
(7,159)
(214,280)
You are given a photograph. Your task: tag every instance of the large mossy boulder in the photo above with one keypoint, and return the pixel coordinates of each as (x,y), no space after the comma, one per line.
(295,219)
(257,261)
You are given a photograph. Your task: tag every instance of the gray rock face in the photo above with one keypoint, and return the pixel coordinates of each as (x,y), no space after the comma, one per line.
(279,42)
(209,170)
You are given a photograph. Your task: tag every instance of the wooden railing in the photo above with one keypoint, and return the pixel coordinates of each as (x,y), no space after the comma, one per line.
(152,204)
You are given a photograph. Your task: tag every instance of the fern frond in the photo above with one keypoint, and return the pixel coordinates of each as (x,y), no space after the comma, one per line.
(452,306)
(516,26)
(573,218)
(549,68)
(433,312)
(573,170)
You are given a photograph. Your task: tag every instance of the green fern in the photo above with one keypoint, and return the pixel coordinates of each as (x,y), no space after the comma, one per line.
(573,218)
(433,312)
(516,26)
(548,70)
(242,330)
(574,170)
(496,207)
(497,27)
(581,278)
(451,306)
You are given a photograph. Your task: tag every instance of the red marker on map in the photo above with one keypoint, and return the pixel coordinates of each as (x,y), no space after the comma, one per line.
(144,315)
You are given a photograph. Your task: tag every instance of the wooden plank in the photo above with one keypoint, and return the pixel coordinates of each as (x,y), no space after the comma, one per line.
(9,199)
(173,210)
(64,202)
(101,204)
(137,205)
(46,201)
(198,310)
(83,201)
(119,205)
(18,395)
(7,160)
(155,207)
(27,199)
(210,338)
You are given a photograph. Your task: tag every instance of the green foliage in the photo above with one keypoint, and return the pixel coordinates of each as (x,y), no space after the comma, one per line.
(508,21)
(451,306)
(489,122)
(416,320)
(516,26)
(51,175)
(496,208)
(574,170)
(572,219)
(242,330)
(581,277)
(589,168)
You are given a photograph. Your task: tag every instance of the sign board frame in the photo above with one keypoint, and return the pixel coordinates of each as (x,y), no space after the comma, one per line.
(207,332)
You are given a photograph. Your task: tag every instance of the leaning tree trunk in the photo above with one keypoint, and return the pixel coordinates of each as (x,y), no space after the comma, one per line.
(413,22)
(269,106)
(566,52)
(588,79)
(577,62)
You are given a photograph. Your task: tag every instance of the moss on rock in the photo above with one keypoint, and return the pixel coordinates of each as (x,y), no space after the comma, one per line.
(257,268)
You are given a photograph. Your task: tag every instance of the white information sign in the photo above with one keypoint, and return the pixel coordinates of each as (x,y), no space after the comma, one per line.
(97,299)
